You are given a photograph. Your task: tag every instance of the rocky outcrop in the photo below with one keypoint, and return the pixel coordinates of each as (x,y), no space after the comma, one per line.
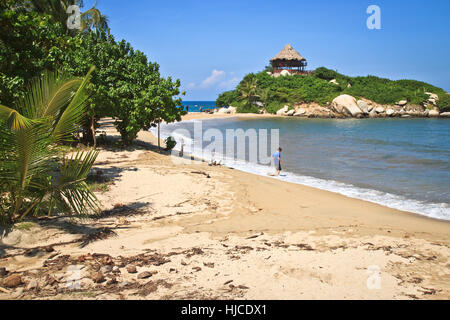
(223,111)
(334,81)
(346,104)
(233,110)
(290,113)
(283,111)
(379,109)
(300,112)
(390,112)
(363,106)
(432,95)
(433,113)
(229,110)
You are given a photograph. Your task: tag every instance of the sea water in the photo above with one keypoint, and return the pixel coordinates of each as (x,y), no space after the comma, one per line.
(399,163)
(198,106)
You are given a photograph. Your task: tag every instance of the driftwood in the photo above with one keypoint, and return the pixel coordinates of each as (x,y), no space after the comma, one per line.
(202,173)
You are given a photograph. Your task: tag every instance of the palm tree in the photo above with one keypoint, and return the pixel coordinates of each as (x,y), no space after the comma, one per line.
(248,90)
(32,177)
(90,19)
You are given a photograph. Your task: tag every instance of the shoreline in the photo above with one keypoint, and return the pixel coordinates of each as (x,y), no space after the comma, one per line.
(411,206)
(210,232)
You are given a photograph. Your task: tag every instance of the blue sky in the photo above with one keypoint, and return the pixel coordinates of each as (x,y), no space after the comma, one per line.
(211,45)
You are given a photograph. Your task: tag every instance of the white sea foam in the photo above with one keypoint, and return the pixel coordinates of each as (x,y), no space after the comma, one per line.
(432,210)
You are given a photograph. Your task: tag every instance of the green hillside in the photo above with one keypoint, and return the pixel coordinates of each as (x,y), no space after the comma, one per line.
(276,92)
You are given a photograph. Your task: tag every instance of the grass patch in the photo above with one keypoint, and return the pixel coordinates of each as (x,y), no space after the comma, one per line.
(24,226)
(98,187)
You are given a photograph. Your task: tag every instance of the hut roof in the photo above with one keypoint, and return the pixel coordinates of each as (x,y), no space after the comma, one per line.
(288,53)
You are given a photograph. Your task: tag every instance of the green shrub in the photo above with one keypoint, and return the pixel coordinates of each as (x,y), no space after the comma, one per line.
(226,99)
(170,143)
(273,107)
(246,107)
(326,74)
(444,102)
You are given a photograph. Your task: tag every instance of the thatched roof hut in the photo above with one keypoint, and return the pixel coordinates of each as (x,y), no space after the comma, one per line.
(288,53)
(289,59)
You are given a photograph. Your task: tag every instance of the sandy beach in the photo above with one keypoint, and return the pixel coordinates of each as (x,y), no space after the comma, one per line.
(194,231)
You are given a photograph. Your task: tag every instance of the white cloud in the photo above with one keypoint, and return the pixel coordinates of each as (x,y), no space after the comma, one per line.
(218,78)
(215,77)
(229,84)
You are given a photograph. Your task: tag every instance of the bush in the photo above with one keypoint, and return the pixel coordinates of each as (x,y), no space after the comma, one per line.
(273,107)
(246,107)
(444,102)
(326,74)
(170,143)
(227,98)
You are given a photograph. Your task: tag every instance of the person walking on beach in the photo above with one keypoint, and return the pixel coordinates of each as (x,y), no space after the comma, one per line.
(277,161)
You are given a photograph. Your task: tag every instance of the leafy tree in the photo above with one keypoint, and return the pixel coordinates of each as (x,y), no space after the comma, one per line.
(227,98)
(29,44)
(444,102)
(248,89)
(31,179)
(125,85)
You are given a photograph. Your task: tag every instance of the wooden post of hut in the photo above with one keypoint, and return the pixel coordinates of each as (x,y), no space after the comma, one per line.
(290,60)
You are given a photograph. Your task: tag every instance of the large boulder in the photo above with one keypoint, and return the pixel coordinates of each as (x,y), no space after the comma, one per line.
(285,73)
(290,113)
(283,111)
(445,114)
(402,103)
(432,95)
(300,112)
(379,110)
(233,110)
(373,114)
(433,113)
(432,101)
(224,111)
(390,112)
(346,104)
(334,81)
(363,106)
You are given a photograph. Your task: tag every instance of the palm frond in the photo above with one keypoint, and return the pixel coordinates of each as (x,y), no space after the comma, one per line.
(48,94)
(72,187)
(14,119)
(73,116)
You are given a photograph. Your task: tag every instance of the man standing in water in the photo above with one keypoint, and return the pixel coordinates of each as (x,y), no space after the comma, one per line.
(277,161)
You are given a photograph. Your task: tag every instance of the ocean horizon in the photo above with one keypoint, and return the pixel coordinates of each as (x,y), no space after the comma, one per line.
(398,163)
(198,106)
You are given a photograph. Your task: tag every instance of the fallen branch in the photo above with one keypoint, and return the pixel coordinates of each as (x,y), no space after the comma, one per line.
(202,173)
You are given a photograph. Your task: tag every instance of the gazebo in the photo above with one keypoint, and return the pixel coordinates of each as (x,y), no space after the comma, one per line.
(289,59)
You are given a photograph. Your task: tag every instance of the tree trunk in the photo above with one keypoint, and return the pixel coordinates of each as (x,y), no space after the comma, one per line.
(89,133)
